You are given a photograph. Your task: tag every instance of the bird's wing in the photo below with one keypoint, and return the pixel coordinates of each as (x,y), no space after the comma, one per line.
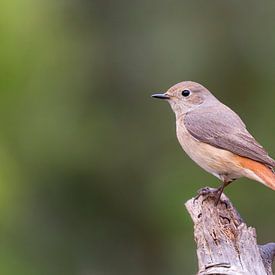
(224,129)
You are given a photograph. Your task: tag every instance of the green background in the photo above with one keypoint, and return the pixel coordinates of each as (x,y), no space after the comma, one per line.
(92,178)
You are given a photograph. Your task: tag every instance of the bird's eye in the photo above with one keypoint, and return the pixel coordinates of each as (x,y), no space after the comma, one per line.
(185,93)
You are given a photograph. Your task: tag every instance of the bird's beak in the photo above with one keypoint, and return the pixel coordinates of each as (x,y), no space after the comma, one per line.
(161,96)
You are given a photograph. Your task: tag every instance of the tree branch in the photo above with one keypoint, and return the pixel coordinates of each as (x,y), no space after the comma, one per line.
(225,245)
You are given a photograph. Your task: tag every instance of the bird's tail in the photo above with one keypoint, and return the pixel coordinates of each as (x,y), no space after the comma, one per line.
(259,172)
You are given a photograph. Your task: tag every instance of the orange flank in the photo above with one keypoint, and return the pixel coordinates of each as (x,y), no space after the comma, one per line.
(263,172)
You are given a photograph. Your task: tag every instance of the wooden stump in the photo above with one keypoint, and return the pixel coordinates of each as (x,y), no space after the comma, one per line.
(225,244)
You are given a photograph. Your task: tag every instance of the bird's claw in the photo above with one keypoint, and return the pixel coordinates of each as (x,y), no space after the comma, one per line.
(207,191)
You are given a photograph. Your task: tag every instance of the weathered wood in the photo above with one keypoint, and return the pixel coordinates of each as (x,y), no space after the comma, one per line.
(225,244)
(268,252)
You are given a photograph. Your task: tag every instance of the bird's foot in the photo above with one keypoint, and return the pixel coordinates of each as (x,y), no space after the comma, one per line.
(210,192)
(207,191)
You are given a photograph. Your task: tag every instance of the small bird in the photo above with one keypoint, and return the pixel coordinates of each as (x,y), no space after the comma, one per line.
(216,138)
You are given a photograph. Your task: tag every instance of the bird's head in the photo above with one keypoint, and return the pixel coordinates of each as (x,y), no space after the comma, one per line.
(185,96)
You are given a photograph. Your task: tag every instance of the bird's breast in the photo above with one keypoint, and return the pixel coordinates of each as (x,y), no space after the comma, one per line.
(214,160)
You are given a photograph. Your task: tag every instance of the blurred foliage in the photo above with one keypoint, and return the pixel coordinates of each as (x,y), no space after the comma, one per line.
(92,178)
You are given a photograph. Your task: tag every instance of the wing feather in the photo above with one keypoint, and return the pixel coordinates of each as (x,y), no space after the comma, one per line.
(224,129)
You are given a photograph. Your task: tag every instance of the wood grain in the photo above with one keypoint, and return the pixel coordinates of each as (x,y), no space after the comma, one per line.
(225,244)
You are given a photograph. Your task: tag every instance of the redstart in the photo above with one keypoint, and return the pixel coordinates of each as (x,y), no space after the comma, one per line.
(215,137)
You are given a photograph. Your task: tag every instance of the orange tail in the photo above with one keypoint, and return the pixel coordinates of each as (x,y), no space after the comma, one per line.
(264,173)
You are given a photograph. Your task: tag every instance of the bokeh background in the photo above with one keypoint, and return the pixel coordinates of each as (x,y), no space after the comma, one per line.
(92,179)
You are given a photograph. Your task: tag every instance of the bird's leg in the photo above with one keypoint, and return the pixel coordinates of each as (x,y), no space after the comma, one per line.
(220,190)
(214,192)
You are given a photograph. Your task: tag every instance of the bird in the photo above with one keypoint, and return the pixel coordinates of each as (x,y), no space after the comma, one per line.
(216,138)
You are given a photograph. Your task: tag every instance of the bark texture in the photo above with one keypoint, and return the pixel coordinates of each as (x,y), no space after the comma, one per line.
(225,244)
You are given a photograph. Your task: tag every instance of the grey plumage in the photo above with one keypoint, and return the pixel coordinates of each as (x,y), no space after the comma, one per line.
(215,137)
(219,126)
